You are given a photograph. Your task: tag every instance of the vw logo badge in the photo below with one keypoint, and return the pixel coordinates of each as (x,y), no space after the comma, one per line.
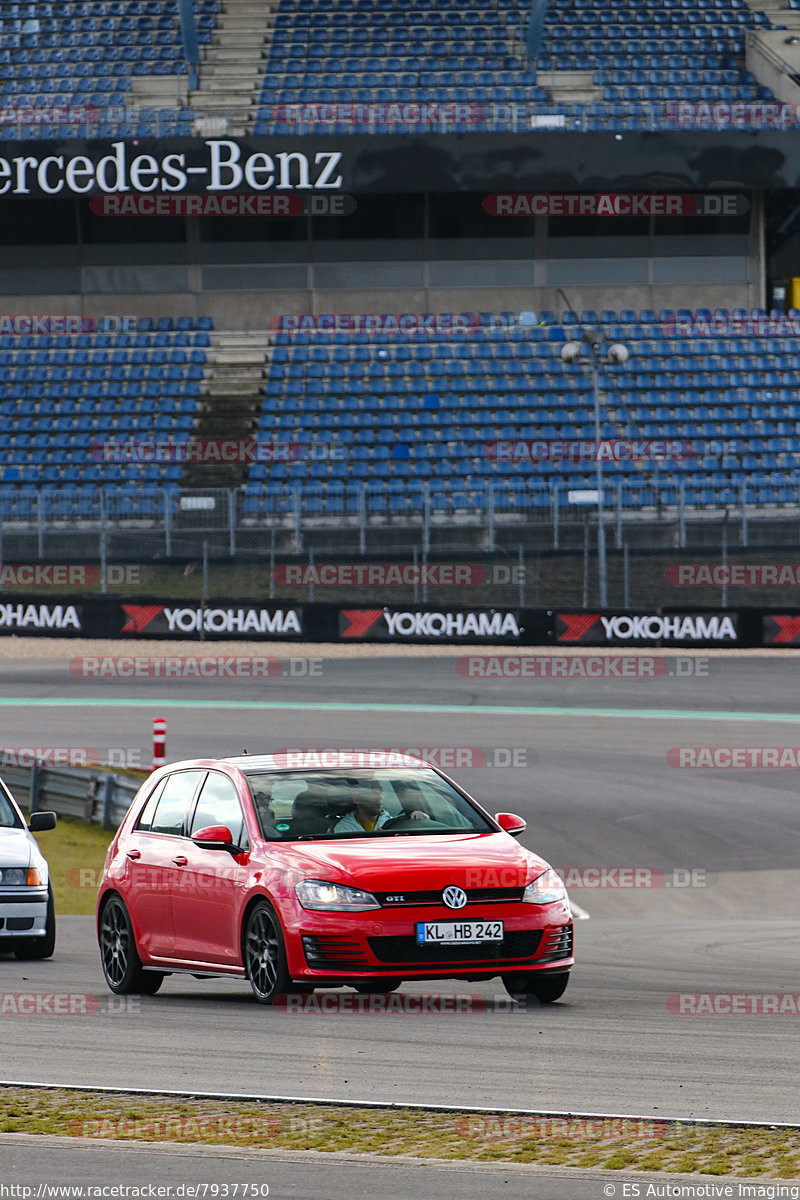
(454,897)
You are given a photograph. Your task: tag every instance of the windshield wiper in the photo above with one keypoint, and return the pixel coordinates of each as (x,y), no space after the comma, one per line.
(420,832)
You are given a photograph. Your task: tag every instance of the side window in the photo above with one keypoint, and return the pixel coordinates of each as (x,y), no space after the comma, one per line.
(218,804)
(174,801)
(146,817)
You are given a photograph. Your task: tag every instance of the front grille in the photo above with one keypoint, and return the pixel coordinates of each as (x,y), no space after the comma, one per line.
(520,945)
(487,895)
(557,944)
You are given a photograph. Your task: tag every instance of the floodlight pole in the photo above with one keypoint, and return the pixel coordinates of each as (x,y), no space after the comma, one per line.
(591,345)
(598,464)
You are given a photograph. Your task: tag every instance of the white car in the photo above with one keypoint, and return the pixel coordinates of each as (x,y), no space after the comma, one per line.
(27,912)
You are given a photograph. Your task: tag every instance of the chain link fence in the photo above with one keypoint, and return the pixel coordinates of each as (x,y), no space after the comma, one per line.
(371,544)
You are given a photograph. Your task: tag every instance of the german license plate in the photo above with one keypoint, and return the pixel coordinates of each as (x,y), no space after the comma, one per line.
(448,932)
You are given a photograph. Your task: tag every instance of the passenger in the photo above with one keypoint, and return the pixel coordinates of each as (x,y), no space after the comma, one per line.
(368,813)
(262,797)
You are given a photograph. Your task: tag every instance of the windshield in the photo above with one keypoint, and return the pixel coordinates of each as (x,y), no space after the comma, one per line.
(9,818)
(294,805)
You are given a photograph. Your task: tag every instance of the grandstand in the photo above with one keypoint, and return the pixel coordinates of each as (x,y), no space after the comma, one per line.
(406,413)
(414,109)
(101,67)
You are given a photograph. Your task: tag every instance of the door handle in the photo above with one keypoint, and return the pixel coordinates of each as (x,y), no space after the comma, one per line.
(180,860)
(134,854)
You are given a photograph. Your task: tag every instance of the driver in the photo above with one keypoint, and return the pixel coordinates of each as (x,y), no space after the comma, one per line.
(368,813)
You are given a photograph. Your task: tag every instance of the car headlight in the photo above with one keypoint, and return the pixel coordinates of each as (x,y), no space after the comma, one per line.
(21,877)
(546,889)
(333,897)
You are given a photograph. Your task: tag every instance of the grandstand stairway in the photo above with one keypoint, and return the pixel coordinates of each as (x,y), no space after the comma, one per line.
(570,87)
(232,68)
(158,92)
(230,408)
(780,12)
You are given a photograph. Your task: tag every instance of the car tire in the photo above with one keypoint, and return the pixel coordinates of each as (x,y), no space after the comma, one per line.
(378,987)
(265,955)
(544,988)
(122,967)
(40,947)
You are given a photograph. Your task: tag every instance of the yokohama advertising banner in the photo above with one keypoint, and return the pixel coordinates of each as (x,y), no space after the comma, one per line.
(609,628)
(142,618)
(415,623)
(185,620)
(781,629)
(22,618)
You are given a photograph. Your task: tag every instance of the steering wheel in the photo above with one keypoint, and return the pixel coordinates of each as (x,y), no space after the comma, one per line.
(411,823)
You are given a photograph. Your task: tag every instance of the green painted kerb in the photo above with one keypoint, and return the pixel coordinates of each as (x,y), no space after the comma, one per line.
(483,710)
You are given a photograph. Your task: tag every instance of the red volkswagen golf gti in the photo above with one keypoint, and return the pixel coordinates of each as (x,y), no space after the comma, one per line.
(299,877)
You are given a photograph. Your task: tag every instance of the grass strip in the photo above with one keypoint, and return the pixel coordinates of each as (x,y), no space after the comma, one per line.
(609,1143)
(75,852)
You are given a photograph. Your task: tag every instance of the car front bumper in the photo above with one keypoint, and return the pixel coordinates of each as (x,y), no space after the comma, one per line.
(365,946)
(23,912)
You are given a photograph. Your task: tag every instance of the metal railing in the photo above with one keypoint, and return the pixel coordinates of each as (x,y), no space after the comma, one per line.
(78,792)
(295,508)
(23,120)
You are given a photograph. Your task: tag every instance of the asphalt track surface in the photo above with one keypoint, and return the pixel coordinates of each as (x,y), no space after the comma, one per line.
(299,1176)
(597,792)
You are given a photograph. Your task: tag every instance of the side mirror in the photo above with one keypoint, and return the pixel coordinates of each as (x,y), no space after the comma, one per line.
(214,837)
(40,821)
(511,823)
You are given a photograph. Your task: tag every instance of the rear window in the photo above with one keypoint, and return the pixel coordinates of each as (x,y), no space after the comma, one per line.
(300,805)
